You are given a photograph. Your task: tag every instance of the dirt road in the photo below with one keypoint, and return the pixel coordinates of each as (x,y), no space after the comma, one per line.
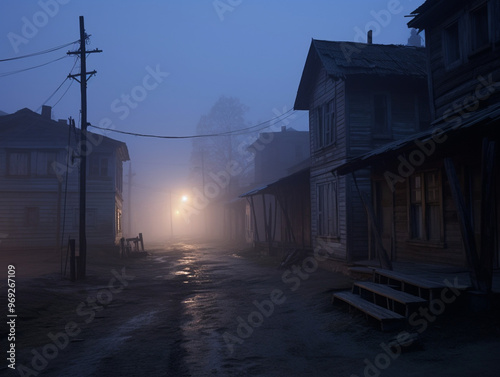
(192,309)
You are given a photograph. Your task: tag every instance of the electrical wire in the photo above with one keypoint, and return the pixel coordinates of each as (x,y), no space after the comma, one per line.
(52,95)
(40,52)
(29,68)
(227,133)
(55,91)
(66,91)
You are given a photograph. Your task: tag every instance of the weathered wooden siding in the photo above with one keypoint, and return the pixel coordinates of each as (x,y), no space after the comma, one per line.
(45,195)
(325,159)
(457,87)
(407,116)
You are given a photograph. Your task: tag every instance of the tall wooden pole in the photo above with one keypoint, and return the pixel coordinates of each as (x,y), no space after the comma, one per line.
(82,241)
(83,163)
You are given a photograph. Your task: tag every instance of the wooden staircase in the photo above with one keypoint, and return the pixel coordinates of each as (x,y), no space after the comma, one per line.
(391,298)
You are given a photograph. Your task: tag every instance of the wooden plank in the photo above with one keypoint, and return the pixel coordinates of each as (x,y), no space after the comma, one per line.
(412,280)
(385,291)
(367,307)
(464,217)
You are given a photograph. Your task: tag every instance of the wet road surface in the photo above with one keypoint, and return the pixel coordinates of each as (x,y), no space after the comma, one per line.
(192,309)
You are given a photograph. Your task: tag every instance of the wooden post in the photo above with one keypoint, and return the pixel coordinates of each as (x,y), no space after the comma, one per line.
(141,240)
(122,247)
(72,273)
(486,259)
(256,233)
(464,220)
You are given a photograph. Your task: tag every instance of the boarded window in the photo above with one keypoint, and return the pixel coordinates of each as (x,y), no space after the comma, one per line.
(327,220)
(480,35)
(426,206)
(451,41)
(18,163)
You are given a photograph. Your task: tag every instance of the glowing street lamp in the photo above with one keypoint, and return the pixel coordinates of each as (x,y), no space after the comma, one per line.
(184,198)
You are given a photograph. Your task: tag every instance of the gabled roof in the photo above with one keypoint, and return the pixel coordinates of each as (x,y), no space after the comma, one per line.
(344,59)
(433,11)
(27,129)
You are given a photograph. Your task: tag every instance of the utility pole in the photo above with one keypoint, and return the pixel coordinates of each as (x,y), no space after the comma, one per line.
(83,143)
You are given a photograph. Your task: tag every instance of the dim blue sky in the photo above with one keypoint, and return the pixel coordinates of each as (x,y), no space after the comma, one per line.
(250,49)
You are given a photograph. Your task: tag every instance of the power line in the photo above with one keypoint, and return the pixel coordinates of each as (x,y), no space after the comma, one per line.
(29,68)
(227,133)
(66,91)
(39,53)
(59,87)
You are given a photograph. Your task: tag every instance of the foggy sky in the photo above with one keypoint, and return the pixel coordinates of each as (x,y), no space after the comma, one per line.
(250,49)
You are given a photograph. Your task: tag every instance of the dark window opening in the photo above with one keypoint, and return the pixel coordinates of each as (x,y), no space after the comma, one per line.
(480,28)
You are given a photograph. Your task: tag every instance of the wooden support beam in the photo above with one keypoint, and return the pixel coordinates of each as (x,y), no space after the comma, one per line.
(464,220)
(487,256)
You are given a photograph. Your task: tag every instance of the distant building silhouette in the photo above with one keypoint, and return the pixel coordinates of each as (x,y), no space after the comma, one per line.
(415,39)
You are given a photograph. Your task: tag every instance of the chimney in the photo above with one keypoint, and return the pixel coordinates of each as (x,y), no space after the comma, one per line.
(370,37)
(283,128)
(47,112)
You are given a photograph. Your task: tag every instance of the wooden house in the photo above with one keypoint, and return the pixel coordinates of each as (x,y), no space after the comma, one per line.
(274,213)
(436,194)
(278,213)
(359,96)
(39,191)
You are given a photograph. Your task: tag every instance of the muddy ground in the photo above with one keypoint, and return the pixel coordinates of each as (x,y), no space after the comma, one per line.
(200,309)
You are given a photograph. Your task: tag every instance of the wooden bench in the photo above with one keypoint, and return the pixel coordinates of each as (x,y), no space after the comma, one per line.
(385,316)
(390,295)
(420,284)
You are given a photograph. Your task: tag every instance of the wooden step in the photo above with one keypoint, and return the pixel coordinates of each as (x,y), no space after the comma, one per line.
(385,316)
(420,284)
(390,295)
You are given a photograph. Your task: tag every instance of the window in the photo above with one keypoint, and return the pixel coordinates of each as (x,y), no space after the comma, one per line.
(381,114)
(327,210)
(118,220)
(18,163)
(480,34)
(451,40)
(98,166)
(31,216)
(325,120)
(425,206)
(44,163)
